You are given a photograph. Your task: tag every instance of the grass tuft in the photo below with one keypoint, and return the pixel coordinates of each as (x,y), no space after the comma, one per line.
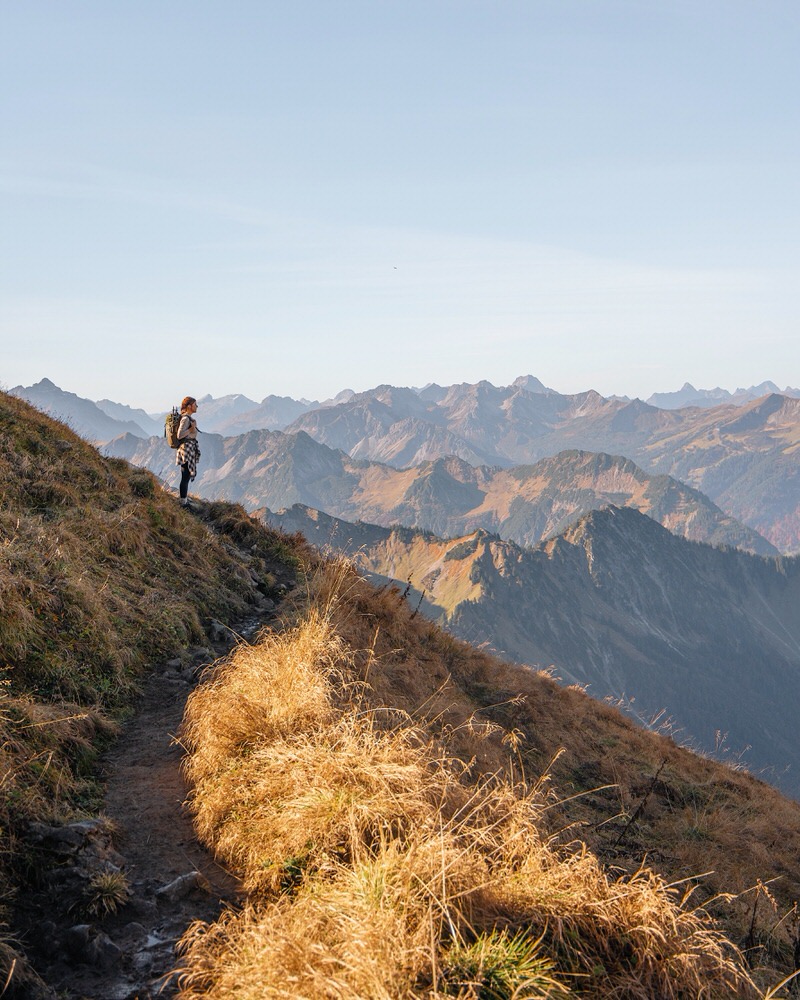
(106,893)
(500,965)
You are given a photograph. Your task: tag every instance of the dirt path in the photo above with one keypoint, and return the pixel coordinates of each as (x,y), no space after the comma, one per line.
(130,954)
(144,798)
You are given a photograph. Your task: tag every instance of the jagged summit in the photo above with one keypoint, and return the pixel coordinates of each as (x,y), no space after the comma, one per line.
(532,384)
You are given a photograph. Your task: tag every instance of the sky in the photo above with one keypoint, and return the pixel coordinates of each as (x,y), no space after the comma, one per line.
(300,197)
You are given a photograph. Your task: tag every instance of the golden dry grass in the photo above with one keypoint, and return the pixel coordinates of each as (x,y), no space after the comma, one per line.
(698,816)
(379,863)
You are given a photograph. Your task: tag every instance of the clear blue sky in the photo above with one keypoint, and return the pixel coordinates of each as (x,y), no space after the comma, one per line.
(302,196)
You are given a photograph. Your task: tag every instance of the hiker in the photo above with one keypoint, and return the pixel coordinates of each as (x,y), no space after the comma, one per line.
(188,451)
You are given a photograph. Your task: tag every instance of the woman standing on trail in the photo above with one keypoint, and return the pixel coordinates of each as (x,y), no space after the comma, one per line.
(188,450)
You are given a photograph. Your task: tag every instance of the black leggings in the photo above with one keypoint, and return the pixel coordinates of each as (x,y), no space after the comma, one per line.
(185,478)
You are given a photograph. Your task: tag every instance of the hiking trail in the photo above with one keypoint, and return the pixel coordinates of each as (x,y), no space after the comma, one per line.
(146,831)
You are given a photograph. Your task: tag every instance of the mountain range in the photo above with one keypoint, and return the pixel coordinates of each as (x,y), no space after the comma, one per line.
(619,605)
(687,395)
(237,414)
(102,420)
(743,457)
(447,496)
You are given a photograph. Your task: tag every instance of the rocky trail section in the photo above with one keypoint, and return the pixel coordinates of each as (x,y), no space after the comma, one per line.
(146,833)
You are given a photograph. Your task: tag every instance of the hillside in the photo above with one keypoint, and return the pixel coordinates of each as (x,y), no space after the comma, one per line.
(619,605)
(448,496)
(507,816)
(379,787)
(102,577)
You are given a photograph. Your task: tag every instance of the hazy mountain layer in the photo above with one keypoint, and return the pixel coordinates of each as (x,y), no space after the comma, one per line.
(86,418)
(127,414)
(743,457)
(448,496)
(687,395)
(216,413)
(623,606)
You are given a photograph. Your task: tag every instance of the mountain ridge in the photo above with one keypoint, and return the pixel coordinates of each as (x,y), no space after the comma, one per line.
(744,458)
(618,603)
(446,495)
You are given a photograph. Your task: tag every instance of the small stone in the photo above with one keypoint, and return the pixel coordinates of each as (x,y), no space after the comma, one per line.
(65,839)
(182,886)
(174,664)
(76,941)
(46,937)
(200,656)
(217,632)
(102,951)
(142,962)
(133,933)
(103,857)
(67,879)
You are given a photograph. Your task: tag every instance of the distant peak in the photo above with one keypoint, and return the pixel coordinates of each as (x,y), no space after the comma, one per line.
(531,384)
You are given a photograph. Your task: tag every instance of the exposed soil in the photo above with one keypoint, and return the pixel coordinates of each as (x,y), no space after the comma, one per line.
(173,880)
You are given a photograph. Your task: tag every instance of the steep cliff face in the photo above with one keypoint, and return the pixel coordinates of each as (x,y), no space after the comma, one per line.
(624,607)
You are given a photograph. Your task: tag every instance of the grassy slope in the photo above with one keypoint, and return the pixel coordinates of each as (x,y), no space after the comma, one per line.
(305,784)
(101,575)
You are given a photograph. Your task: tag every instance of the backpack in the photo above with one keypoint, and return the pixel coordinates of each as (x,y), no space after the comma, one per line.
(171,423)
